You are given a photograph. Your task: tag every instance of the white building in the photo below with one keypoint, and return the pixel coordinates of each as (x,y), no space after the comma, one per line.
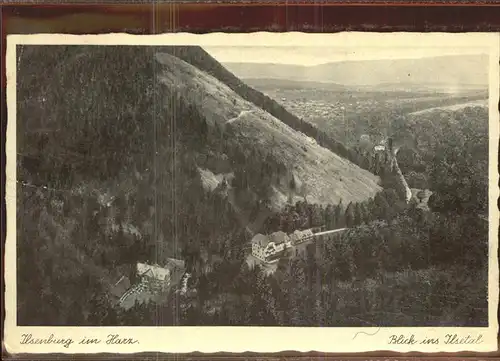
(153,273)
(259,243)
(265,247)
(300,236)
(160,277)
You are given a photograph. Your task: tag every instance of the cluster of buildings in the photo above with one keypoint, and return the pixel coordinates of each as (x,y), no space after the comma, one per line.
(152,281)
(159,278)
(269,247)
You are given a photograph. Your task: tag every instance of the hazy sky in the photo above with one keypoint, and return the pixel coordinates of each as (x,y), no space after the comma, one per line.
(320,55)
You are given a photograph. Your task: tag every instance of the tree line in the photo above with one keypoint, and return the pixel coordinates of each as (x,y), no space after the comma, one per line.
(90,180)
(406,272)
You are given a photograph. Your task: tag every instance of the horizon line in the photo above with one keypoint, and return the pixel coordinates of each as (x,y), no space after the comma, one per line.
(349,60)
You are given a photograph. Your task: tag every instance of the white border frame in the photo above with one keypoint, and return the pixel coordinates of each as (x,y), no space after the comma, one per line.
(258,339)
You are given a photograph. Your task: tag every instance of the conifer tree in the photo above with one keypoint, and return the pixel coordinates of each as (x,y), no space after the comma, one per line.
(349,215)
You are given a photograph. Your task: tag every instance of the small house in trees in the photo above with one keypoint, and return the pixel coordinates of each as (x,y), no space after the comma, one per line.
(307,233)
(259,243)
(153,275)
(159,278)
(279,238)
(300,236)
(267,247)
(296,236)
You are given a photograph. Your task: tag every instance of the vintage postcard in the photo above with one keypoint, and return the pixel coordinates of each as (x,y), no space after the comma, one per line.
(252,192)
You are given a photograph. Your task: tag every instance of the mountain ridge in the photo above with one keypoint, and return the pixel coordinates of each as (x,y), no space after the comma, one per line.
(255,127)
(202,60)
(93,133)
(442,70)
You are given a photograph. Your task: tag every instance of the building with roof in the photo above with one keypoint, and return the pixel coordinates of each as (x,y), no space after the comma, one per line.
(278,238)
(266,247)
(295,236)
(153,274)
(299,236)
(259,243)
(157,277)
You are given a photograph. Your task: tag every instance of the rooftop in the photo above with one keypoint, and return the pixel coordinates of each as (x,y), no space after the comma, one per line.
(154,271)
(278,237)
(260,239)
(281,237)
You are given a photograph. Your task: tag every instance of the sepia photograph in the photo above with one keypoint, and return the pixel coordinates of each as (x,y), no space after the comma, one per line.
(297,185)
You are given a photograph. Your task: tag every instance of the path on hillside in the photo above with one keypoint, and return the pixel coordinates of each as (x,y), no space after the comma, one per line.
(242,113)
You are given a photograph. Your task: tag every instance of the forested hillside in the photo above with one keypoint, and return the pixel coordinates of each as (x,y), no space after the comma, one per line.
(103,180)
(204,61)
(409,268)
(111,150)
(447,151)
(130,154)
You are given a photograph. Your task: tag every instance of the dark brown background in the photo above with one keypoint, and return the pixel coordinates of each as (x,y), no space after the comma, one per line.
(141,18)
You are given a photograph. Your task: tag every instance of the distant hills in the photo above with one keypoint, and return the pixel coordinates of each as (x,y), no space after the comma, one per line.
(287,84)
(470,71)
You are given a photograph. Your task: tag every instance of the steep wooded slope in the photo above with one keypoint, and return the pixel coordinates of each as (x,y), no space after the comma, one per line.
(199,58)
(324,176)
(110,145)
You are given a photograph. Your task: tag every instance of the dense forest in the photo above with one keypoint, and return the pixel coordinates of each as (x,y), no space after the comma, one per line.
(415,270)
(119,186)
(397,265)
(447,151)
(122,185)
